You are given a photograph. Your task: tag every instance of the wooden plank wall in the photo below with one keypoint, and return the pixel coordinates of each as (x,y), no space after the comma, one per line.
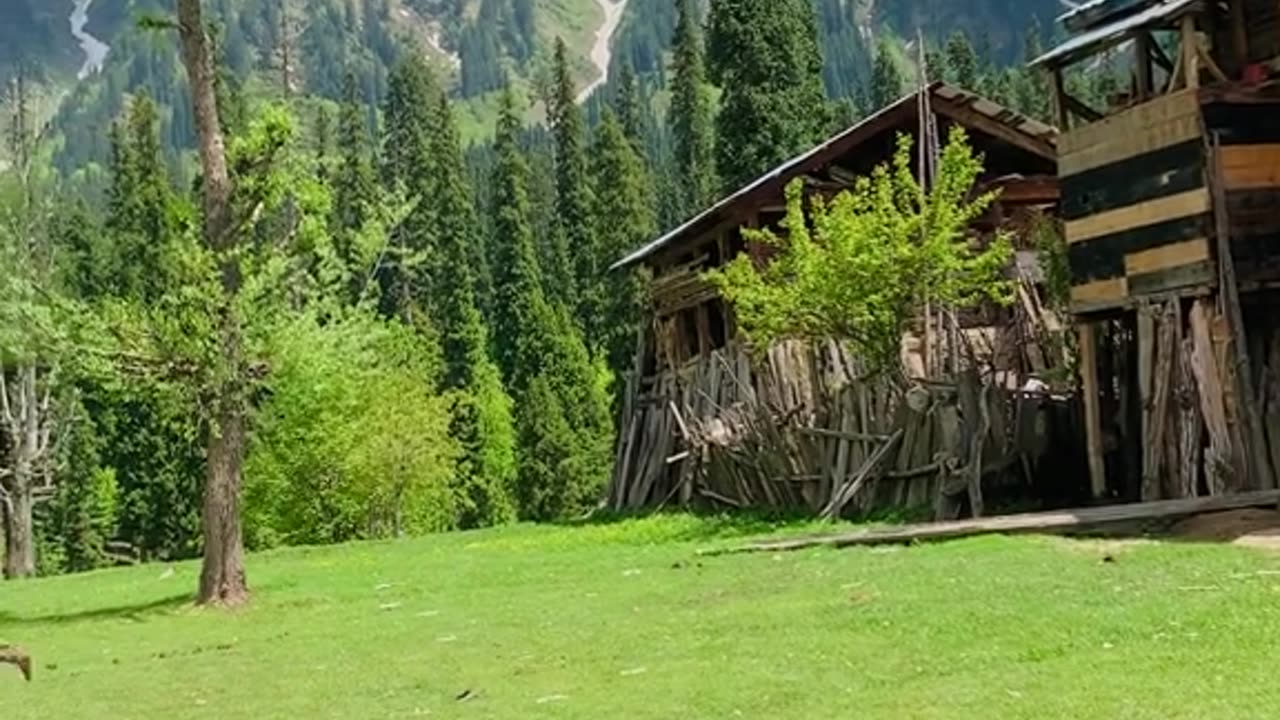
(1137,212)
(1250,147)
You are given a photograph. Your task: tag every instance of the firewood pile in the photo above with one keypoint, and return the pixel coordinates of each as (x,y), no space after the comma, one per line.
(801,428)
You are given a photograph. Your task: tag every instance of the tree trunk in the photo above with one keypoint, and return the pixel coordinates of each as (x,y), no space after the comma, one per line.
(19,536)
(222,578)
(23,418)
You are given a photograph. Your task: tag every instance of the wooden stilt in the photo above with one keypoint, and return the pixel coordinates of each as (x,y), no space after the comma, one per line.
(1092,408)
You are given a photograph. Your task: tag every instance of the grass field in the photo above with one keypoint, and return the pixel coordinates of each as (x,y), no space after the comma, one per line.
(626,621)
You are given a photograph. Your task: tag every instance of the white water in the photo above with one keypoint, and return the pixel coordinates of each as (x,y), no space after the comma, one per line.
(602,51)
(95,51)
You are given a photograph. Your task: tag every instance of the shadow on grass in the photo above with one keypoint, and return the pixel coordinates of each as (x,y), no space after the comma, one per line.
(135,612)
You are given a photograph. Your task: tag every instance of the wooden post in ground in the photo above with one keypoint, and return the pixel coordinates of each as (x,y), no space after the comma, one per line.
(1092,407)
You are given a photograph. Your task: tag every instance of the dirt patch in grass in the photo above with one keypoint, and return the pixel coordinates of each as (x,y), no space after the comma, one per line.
(1253,527)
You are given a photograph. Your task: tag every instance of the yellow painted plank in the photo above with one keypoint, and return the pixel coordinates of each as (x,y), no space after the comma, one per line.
(1251,167)
(1191,202)
(1158,111)
(1167,256)
(1100,293)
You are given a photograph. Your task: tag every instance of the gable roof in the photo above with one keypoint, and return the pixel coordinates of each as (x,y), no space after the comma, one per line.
(961,106)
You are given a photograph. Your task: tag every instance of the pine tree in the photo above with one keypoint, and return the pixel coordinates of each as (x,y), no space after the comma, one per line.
(624,220)
(630,108)
(563,421)
(517,276)
(482,422)
(691,115)
(961,62)
(355,185)
(579,288)
(141,220)
(764,56)
(404,276)
(887,82)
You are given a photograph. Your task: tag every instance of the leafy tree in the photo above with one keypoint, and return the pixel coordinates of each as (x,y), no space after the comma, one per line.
(764,56)
(691,115)
(352,442)
(31,330)
(873,256)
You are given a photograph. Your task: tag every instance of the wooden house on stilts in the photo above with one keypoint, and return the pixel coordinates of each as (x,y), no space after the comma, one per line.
(1171,202)
(798,426)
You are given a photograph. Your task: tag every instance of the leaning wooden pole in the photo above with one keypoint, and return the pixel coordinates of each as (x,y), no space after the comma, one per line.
(1092,408)
(1259,462)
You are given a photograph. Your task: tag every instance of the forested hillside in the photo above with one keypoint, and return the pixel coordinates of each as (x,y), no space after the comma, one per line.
(375,302)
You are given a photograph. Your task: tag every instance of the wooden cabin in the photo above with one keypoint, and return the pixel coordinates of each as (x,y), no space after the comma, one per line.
(819,436)
(1171,205)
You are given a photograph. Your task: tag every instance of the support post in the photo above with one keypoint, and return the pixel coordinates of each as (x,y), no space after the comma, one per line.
(1190,52)
(1092,407)
(1060,100)
(1239,38)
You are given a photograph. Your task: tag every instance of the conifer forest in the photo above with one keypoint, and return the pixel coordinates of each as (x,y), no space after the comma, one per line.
(287,272)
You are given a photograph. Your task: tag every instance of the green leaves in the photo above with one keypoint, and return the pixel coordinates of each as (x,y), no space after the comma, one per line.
(861,265)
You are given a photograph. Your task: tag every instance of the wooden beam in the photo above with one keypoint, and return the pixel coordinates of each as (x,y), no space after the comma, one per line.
(1081,109)
(1259,457)
(1159,57)
(1056,522)
(1142,50)
(1092,408)
(1059,100)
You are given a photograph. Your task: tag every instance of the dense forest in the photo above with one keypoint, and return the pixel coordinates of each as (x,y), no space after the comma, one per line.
(374,327)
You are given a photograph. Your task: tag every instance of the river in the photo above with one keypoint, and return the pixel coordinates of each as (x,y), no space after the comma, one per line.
(602,51)
(95,51)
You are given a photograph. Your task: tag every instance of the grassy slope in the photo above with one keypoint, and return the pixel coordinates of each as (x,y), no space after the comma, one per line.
(624,621)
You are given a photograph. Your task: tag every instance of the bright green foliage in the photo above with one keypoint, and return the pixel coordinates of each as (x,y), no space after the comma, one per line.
(692,122)
(888,82)
(624,220)
(961,62)
(351,443)
(874,256)
(764,56)
(482,424)
(575,238)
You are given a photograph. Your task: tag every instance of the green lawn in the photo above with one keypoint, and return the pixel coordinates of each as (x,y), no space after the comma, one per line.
(625,621)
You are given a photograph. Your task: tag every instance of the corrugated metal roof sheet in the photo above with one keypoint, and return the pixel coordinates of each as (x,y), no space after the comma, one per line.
(1009,118)
(1116,31)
